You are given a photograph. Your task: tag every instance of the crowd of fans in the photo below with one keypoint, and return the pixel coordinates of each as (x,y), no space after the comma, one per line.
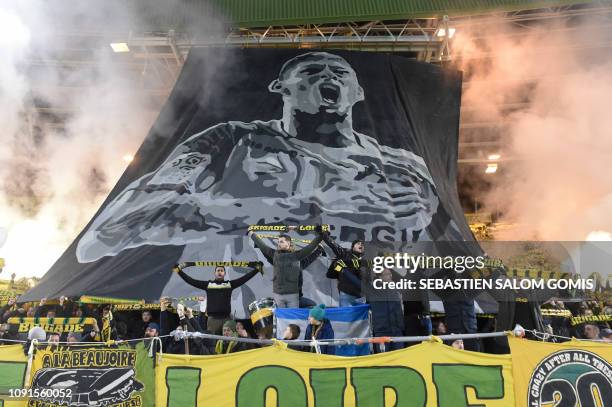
(167,323)
(580,319)
(143,326)
(391,314)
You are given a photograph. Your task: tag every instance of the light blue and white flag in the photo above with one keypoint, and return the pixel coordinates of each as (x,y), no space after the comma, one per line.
(347,322)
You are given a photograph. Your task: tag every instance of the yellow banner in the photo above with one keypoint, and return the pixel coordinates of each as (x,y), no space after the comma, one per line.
(294,239)
(575,373)
(551,312)
(536,374)
(59,325)
(585,319)
(285,228)
(428,374)
(13,366)
(136,307)
(90,299)
(5,295)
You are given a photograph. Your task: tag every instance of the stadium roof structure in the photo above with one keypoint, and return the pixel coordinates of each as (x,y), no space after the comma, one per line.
(257,13)
(378,25)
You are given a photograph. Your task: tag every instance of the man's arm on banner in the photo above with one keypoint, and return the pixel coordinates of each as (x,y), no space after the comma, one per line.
(306,251)
(202,284)
(319,251)
(240,281)
(261,245)
(338,250)
(134,212)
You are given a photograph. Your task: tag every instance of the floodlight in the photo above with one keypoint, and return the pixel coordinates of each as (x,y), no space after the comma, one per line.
(442,32)
(120,47)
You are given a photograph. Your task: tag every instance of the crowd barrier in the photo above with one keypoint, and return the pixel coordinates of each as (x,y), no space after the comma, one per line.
(427,374)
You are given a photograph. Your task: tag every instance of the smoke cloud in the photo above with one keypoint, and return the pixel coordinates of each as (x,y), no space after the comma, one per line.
(56,170)
(548,93)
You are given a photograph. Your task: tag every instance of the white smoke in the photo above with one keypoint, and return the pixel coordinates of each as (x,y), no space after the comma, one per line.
(53,178)
(548,90)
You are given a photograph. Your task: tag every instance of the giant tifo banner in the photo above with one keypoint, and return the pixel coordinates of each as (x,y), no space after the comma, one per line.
(575,373)
(365,142)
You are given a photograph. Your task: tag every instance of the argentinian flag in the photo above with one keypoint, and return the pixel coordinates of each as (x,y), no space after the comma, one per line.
(347,322)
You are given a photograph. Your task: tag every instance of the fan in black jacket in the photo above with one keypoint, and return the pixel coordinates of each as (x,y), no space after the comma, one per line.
(348,267)
(219,307)
(187,323)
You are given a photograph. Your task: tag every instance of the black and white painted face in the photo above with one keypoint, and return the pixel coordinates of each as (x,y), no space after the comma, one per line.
(327,83)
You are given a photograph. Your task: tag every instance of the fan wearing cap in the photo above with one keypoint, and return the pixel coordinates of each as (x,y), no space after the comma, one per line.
(228,346)
(455,343)
(152,330)
(348,268)
(319,328)
(149,344)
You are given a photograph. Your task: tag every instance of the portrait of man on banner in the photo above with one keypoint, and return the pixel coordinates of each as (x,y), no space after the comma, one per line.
(309,166)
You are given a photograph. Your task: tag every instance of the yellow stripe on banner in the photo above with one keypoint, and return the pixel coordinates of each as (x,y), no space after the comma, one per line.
(90,299)
(5,295)
(213,263)
(267,228)
(136,307)
(55,321)
(590,318)
(547,312)
(261,314)
(51,324)
(284,228)
(294,239)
